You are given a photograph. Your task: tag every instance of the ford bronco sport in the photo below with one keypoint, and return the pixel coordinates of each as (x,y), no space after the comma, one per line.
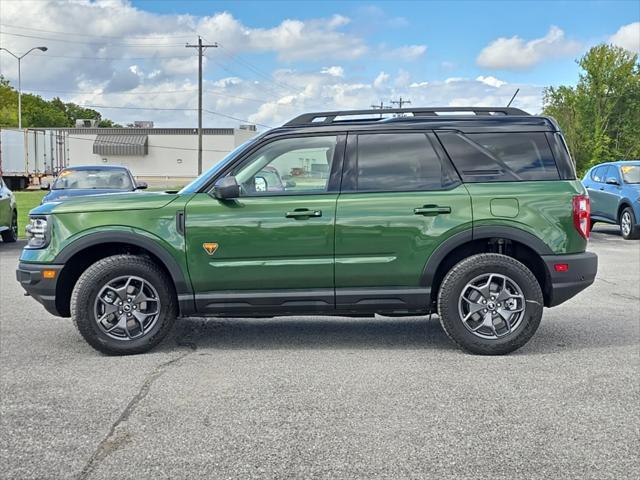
(471,213)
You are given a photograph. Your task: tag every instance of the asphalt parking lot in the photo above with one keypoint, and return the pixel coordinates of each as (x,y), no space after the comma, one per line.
(328,398)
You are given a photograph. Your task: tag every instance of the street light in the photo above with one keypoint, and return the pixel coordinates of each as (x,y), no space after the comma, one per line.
(19,58)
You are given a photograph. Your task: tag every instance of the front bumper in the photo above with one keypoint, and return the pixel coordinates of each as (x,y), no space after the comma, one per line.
(41,289)
(581,272)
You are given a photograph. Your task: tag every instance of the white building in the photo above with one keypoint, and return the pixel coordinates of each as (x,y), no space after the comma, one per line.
(156,155)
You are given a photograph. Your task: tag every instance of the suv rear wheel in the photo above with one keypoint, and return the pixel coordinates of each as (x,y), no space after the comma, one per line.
(123,305)
(490,304)
(628,224)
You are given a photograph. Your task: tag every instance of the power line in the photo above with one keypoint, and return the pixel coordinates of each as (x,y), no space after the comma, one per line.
(235,118)
(52,39)
(152,35)
(154,57)
(213,92)
(110,142)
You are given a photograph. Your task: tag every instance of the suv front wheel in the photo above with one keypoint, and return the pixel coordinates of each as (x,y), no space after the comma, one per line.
(490,304)
(123,305)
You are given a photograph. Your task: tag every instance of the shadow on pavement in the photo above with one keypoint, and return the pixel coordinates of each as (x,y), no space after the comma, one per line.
(309,332)
(361,333)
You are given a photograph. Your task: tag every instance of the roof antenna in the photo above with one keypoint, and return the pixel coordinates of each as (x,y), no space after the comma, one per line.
(513,98)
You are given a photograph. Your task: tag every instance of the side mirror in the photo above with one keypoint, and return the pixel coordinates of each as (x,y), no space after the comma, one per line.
(226,188)
(141,185)
(612,181)
(45,186)
(290,184)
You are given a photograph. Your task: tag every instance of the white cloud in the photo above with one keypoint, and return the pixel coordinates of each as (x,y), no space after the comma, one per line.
(515,54)
(628,37)
(144,64)
(335,71)
(491,81)
(406,53)
(381,79)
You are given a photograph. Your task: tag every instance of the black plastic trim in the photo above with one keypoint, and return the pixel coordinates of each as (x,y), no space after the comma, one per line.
(478,233)
(440,253)
(384,299)
(512,233)
(265,302)
(181,284)
(43,290)
(580,274)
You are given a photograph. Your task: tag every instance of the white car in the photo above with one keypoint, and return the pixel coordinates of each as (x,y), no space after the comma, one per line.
(8,214)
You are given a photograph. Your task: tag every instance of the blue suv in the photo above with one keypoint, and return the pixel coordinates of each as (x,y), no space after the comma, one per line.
(614,189)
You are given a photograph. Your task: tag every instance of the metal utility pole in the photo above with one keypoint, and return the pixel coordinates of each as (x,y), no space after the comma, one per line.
(400,102)
(382,106)
(201,48)
(19,58)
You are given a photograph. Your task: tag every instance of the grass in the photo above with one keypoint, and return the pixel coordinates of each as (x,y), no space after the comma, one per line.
(26,200)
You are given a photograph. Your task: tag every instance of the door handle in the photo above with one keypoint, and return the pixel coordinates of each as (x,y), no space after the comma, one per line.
(303,213)
(431,210)
(601,188)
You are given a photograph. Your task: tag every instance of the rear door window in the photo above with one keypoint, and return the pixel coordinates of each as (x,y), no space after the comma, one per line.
(500,157)
(390,162)
(600,174)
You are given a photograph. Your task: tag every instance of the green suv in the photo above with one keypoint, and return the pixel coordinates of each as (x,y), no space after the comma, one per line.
(471,213)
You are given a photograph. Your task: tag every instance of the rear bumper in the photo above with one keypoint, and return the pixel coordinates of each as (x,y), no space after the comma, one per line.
(41,289)
(581,272)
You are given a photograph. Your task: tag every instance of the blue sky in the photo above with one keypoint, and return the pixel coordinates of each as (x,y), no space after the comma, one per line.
(281,58)
(454,31)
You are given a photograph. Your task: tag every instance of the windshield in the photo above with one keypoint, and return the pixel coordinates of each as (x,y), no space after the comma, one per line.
(198,182)
(93,179)
(630,173)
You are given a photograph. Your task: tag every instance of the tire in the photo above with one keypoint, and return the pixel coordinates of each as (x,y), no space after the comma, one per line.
(136,278)
(628,224)
(11,235)
(500,271)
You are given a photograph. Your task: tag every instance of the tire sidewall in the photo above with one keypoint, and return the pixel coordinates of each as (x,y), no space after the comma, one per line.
(11,235)
(85,300)
(519,274)
(633,231)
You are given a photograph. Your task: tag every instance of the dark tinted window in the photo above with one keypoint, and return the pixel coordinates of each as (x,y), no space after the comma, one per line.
(399,162)
(526,154)
(500,157)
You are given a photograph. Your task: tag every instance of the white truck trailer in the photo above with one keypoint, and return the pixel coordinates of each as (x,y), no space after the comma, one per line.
(29,154)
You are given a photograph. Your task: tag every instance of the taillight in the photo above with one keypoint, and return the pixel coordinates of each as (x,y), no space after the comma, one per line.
(582,214)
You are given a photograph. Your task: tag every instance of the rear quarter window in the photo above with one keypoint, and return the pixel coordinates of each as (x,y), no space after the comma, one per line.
(501,157)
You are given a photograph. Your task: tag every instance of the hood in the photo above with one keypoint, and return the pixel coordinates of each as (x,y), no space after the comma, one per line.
(63,194)
(110,202)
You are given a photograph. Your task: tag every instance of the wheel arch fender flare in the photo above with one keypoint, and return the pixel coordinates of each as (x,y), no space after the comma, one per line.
(181,283)
(479,233)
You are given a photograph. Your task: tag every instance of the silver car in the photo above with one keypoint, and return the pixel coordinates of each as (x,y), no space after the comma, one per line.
(8,214)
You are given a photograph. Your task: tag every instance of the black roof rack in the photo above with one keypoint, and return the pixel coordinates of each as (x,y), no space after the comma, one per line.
(323,118)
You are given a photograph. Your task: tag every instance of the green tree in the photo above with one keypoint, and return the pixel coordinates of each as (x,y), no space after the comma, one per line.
(600,116)
(37,112)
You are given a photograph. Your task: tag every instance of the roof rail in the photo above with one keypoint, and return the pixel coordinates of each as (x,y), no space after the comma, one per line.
(320,118)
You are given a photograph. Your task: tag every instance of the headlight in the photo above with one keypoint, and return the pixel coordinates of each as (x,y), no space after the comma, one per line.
(37,232)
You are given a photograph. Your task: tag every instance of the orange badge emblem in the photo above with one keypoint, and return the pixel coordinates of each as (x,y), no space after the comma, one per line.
(210,247)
